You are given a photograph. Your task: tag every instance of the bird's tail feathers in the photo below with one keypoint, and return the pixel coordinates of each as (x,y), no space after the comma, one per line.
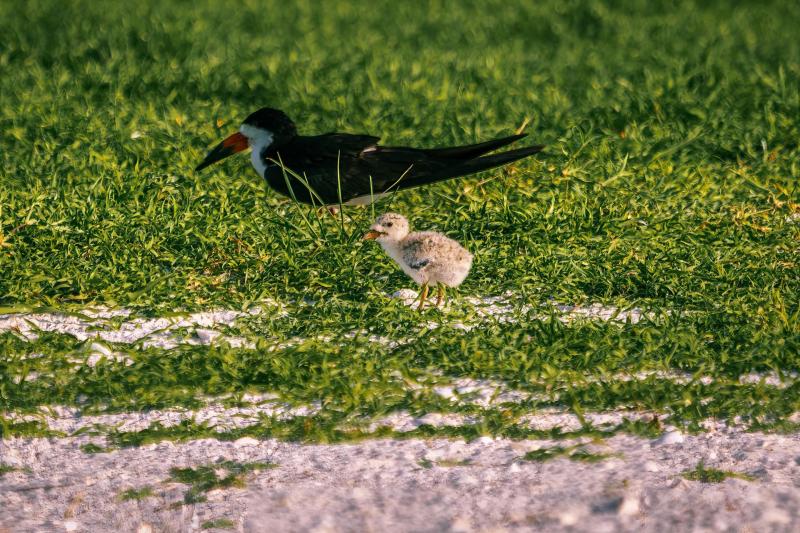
(473,150)
(472,166)
(503,158)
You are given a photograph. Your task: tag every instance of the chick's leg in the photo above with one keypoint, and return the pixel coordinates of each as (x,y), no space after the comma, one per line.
(422,296)
(440,295)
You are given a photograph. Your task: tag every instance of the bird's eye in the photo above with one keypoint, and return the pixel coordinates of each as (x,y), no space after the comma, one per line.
(388,224)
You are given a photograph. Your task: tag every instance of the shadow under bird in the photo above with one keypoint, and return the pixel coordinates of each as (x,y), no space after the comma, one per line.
(347,168)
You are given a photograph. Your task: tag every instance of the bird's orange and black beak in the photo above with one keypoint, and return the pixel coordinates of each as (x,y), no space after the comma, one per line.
(231,145)
(372,235)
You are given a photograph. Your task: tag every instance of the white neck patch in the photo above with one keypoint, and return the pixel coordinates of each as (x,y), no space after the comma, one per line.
(258,139)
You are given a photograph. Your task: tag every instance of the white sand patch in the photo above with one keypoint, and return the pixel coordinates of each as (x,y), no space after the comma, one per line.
(482,392)
(543,420)
(772,379)
(412,485)
(505,307)
(201,328)
(403,421)
(99,351)
(70,419)
(485,393)
(151,332)
(488,392)
(161,331)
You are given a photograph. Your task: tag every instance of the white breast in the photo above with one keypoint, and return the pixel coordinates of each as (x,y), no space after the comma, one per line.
(394,250)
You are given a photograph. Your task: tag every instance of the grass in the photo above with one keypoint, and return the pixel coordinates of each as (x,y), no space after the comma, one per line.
(207,478)
(5,469)
(136,494)
(31,428)
(573,453)
(452,463)
(669,184)
(219,523)
(92,448)
(711,475)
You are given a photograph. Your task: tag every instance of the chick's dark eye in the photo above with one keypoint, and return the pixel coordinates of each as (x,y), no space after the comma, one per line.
(388,224)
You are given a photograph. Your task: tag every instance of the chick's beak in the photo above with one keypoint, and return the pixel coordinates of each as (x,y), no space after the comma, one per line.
(231,145)
(372,235)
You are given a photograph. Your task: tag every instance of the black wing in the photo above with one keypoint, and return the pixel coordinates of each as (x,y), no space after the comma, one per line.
(325,162)
(358,165)
(421,167)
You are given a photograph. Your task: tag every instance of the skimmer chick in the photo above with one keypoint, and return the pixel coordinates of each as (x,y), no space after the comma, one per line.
(426,256)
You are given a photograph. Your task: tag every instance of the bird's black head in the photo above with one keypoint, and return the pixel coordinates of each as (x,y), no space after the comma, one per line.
(265,129)
(274,121)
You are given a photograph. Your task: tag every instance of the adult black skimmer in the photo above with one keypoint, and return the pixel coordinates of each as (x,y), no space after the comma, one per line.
(347,168)
(426,256)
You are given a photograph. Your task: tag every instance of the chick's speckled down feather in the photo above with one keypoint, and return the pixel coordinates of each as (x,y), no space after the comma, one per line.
(436,258)
(426,256)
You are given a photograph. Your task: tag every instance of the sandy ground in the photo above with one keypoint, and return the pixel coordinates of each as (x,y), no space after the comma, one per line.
(384,485)
(411,485)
